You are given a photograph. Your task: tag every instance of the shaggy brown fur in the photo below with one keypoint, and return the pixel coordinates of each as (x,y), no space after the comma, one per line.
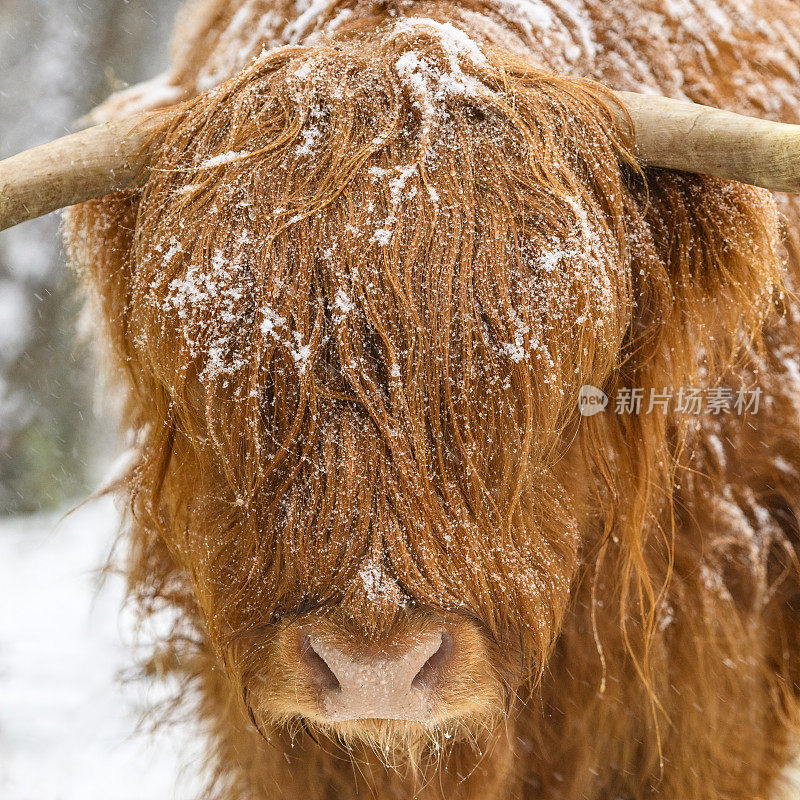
(352,310)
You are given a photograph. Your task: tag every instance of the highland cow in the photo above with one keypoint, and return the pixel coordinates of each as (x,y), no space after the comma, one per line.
(380,252)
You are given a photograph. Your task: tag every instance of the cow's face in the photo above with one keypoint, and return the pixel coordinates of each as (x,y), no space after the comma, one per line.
(364,302)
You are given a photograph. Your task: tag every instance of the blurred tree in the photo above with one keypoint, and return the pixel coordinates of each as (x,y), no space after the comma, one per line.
(58,58)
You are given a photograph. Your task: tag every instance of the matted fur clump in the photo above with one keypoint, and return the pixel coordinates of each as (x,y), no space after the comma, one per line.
(352,310)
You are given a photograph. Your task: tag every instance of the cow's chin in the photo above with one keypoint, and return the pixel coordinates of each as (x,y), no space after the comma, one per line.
(411,697)
(406,746)
(403,744)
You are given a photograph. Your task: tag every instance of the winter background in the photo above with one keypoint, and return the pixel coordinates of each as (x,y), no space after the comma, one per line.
(68,726)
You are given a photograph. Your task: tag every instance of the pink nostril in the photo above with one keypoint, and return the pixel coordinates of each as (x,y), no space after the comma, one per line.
(322,674)
(431,673)
(396,683)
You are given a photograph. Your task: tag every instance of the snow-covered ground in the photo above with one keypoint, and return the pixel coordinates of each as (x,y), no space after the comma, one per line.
(67,724)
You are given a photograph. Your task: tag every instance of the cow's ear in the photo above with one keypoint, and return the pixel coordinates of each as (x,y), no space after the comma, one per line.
(707,258)
(99,239)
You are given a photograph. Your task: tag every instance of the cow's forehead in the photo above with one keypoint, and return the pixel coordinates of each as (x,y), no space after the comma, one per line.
(419,259)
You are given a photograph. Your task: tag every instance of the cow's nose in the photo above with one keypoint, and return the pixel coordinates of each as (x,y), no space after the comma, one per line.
(395,684)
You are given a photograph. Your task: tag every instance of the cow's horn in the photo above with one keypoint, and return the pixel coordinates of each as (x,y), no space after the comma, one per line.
(668,133)
(695,138)
(88,164)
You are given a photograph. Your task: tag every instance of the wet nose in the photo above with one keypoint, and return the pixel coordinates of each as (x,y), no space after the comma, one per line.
(395,684)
